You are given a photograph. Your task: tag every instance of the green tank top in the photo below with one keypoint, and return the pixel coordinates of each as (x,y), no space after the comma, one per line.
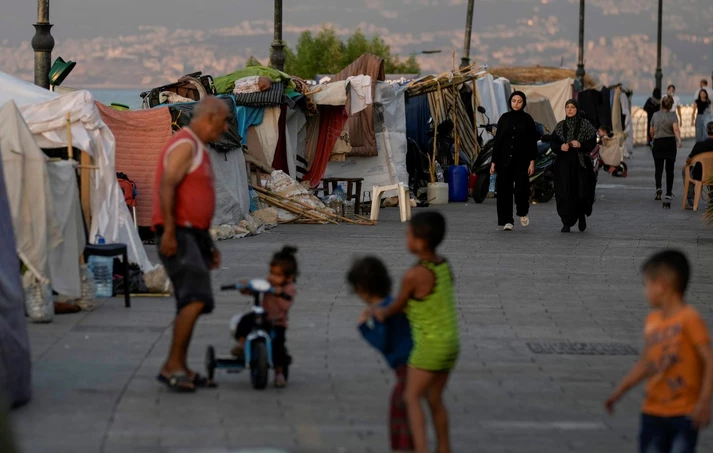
(434,323)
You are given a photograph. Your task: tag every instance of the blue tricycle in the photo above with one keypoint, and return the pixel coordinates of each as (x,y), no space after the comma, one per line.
(258,344)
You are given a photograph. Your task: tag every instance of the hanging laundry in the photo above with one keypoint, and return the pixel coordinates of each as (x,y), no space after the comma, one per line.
(360,92)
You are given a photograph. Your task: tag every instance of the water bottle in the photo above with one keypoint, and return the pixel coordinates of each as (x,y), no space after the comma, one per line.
(103,269)
(491,189)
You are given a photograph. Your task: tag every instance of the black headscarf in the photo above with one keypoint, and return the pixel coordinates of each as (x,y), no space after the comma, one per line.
(524,101)
(575,128)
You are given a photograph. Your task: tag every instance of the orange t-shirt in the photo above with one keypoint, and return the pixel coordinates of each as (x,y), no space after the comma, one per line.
(672,357)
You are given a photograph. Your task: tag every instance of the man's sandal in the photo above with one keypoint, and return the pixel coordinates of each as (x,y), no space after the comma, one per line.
(178,382)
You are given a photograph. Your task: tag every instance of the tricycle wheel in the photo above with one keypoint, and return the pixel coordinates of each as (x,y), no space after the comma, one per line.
(258,365)
(210,362)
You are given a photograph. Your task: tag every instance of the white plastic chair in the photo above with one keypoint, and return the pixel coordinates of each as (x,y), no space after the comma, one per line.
(404,202)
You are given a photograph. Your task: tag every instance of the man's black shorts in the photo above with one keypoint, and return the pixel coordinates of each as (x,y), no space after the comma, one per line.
(189,268)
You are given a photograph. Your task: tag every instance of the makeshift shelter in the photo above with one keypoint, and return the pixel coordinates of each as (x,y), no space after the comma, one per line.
(15,360)
(532,75)
(140,138)
(46,114)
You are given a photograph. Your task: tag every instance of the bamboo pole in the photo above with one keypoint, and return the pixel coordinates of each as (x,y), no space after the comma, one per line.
(306,206)
(455,121)
(286,207)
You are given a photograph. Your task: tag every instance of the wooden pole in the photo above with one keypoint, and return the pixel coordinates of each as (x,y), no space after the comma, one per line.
(70,148)
(84,183)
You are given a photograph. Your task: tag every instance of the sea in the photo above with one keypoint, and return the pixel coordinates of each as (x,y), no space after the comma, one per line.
(132,98)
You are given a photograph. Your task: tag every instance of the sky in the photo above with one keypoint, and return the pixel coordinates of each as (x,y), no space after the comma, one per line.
(619,33)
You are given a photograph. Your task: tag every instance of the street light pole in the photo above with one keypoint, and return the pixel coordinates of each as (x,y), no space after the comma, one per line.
(659,74)
(42,44)
(580,60)
(277,56)
(465,61)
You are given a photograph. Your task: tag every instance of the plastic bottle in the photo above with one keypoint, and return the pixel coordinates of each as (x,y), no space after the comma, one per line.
(491,189)
(103,269)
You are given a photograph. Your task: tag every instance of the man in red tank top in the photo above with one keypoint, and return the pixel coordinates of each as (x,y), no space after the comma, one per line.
(184,201)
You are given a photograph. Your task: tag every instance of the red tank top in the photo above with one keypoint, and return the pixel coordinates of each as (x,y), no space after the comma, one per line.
(195,195)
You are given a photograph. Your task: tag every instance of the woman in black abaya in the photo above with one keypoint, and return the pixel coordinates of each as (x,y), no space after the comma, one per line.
(573,140)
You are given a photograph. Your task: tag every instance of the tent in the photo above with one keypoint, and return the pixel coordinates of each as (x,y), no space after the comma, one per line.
(15,362)
(540,109)
(45,113)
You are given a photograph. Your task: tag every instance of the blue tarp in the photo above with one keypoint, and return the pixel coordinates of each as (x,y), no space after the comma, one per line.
(417,116)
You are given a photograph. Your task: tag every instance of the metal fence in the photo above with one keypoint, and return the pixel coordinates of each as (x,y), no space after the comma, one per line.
(639,124)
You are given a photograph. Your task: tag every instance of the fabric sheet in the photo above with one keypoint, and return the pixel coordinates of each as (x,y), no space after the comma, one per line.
(232,199)
(359,93)
(334,93)
(273,96)
(280,160)
(268,133)
(296,122)
(225,84)
(28,192)
(361,126)
(181,115)
(15,363)
(540,109)
(417,115)
(331,122)
(246,117)
(557,92)
(64,259)
(140,137)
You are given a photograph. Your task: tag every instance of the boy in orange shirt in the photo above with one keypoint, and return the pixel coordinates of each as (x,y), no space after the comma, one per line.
(677,361)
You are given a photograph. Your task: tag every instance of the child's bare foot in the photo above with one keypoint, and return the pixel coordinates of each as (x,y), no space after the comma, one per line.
(238,352)
(280,381)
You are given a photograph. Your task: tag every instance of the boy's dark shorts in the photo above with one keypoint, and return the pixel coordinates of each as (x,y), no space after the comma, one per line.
(667,434)
(189,268)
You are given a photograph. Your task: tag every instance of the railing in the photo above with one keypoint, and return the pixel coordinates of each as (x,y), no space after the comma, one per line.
(639,124)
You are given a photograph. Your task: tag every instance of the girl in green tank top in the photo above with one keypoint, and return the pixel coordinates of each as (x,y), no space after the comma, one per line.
(426,296)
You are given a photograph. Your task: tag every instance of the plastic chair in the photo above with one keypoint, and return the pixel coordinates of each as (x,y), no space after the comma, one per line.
(404,202)
(706,161)
(112,250)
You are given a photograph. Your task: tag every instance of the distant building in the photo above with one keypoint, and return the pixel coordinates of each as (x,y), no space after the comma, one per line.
(395,78)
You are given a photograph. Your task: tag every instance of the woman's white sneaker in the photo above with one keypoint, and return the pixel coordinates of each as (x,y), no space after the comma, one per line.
(524,221)
(507,227)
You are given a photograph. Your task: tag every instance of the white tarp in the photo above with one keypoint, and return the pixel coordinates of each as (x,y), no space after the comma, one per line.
(488,99)
(64,259)
(46,118)
(389,166)
(28,192)
(557,92)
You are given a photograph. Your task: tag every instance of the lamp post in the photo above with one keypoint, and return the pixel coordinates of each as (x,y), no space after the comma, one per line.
(580,60)
(277,56)
(465,60)
(42,44)
(659,74)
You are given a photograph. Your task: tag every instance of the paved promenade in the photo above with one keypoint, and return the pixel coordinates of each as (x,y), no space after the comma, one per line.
(520,295)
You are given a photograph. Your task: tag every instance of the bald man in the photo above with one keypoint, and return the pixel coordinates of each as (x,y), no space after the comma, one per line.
(183,205)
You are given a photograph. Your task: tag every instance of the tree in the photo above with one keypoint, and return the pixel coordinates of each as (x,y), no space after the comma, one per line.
(326,53)
(252,61)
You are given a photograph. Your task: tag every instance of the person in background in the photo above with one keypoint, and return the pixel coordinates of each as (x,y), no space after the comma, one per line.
(514,157)
(702,114)
(703,146)
(667,138)
(183,206)
(652,105)
(573,140)
(703,86)
(677,361)
(370,280)
(671,92)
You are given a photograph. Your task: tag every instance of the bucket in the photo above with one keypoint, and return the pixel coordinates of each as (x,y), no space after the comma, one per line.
(437,193)
(458,183)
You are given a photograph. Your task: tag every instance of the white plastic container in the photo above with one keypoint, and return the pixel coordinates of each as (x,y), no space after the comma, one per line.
(437,193)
